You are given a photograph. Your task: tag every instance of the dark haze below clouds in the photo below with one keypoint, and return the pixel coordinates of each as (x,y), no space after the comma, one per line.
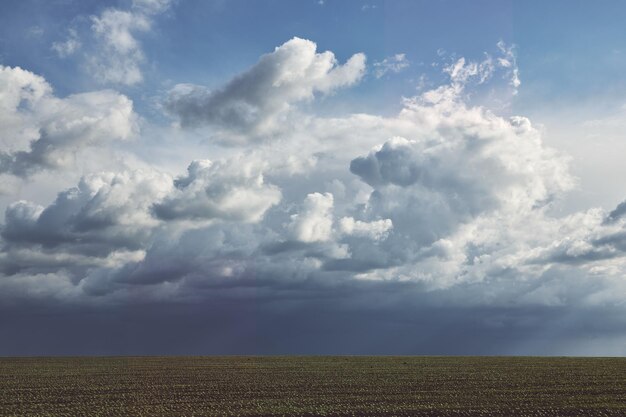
(391,323)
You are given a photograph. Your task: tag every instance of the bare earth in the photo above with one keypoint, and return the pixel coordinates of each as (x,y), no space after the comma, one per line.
(313,385)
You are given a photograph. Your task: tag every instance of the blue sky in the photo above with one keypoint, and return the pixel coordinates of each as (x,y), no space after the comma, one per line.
(312,177)
(566,50)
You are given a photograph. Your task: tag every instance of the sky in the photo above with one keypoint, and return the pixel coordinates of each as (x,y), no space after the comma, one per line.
(315,177)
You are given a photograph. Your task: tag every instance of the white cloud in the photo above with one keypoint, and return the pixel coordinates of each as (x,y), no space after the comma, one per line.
(314,222)
(395,64)
(467,174)
(46,131)
(20,92)
(106,213)
(509,61)
(228,190)
(463,72)
(259,98)
(376,230)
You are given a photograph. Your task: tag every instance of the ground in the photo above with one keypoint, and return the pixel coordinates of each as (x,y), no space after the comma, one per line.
(313,385)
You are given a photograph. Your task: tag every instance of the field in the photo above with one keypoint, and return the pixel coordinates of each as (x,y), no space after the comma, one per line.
(309,385)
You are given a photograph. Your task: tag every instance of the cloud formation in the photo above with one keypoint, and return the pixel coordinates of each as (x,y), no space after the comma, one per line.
(443,207)
(425,204)
(376,230)
(258,98)
(227,190)
(106,212)
(315,221)
(46,131)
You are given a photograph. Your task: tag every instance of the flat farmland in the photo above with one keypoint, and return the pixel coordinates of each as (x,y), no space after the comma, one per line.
(312,385)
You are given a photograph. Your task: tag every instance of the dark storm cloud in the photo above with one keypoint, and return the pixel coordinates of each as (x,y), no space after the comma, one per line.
(372,319)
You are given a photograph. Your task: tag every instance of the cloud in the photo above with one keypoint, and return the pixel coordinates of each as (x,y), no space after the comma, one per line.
(113,53)
(376,230)
(476,164)
(121,55)
(21,91)
(51,130)
(585,239)
(418,197)
(395,64)
(461,72)
(227,190)
(509,61)
(258,98)
(105,213)
(443,209)
(464,72)
(617,213)
(69,46)
(109,220)
(314,222)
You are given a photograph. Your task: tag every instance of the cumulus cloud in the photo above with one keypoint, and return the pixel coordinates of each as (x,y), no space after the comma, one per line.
(426,204)
(227,190)
(471,164)
(464,217)
(21,91)
(48,131)
(453,168)
(586,239)
(109,220)
(260,96)
(20,87)
(376,230)
(314,223)
(106,212)
(394,64)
